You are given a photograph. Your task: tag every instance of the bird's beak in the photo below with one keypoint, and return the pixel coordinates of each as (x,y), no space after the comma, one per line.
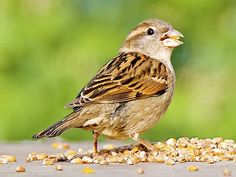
(171,38)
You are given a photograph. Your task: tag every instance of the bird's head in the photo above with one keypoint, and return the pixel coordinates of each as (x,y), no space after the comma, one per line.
(154,38)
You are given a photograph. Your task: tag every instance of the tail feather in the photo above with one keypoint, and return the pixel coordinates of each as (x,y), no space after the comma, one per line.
(59,127)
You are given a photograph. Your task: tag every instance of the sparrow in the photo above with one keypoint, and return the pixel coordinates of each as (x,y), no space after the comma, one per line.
(131,92)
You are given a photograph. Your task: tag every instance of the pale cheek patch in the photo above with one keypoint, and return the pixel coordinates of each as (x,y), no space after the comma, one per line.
(95,121)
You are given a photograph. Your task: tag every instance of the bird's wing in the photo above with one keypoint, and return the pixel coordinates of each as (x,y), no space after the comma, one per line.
(129,76)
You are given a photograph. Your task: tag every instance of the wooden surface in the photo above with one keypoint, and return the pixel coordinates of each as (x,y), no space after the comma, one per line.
(22,149)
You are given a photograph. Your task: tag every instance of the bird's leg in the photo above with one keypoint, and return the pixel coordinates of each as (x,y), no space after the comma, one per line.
(148,145)
(95,142)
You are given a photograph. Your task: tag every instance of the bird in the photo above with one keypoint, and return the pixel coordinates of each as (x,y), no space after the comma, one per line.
(131,92)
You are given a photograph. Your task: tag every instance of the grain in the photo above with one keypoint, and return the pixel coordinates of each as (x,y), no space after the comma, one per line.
(140,171)
(88,170)
(59,168)
(76,161)
(227,172)
(20,169)
(48,161)
(192,168)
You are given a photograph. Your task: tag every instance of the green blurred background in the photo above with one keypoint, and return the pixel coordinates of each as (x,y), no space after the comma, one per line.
(49,49)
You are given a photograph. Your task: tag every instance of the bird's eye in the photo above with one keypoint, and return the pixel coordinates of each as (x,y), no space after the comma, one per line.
(150,31)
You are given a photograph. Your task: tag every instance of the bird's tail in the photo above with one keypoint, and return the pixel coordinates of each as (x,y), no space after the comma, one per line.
(59,127)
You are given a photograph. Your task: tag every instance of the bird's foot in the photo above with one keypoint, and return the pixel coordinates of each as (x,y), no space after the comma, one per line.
(147,145)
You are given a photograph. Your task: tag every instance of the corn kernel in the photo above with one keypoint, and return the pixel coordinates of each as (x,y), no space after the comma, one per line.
(140,171)
(88,170)
(227,172)
(59,168)
(20,169)
(192,168)
(76,161)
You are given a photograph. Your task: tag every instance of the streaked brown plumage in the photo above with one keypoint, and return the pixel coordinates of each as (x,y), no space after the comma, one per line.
(131,92)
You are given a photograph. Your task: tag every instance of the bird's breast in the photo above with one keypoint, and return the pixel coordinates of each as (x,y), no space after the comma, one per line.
(137,116)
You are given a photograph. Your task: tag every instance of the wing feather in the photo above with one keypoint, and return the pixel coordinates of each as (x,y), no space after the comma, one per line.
(127,77)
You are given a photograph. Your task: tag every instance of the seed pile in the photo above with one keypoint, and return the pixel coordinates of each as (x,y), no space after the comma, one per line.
(169,152)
